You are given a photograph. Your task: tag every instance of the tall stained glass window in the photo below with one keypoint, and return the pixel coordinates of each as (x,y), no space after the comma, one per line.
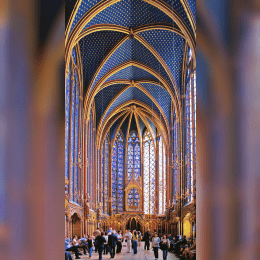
(67,123)
(162,176)
(189,117)
(72,140)
(133,156)
(76,137)
(90,157)
(118,173)
(104,175)
(72,135)
(175,155)
(149,173)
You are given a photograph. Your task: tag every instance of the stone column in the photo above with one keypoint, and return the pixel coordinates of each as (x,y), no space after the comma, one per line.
(70,227)
(81,228)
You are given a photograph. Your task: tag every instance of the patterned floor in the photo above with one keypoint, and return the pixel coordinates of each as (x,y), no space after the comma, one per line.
(141,255)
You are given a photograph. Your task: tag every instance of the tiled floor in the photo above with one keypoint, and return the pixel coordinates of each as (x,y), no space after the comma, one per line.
(141,255)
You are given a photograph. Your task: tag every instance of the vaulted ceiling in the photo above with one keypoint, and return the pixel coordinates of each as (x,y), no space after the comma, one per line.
(132,58)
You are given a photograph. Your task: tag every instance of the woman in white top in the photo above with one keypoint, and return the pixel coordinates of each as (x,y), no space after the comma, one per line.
(106,244)
(128,236)
(78,244)
(165,245)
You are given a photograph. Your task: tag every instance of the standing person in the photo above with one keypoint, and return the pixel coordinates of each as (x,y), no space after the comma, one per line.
(156,244)
(165,245)
(128,237)
(100,241)
(139,238)
(147,236)
(135,241)
(96,233)
(106,244)
(119,242)
(90,246)
(112,241)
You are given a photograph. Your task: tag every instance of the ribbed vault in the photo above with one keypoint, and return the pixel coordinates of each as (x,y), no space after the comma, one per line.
(130,104)
(120,45)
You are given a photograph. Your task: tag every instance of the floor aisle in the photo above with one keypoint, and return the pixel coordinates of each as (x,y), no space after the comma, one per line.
(141,255)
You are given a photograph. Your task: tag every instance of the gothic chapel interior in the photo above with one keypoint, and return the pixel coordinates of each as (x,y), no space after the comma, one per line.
(130,128)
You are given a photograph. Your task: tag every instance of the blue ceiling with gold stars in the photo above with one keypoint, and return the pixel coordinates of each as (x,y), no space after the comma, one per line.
(170,46)
(130,13)
(104,51)
(132,49)
(93,50)
(192,6)
(132,73)
(132,93)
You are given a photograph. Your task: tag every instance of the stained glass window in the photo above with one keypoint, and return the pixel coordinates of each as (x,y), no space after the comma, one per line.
(90,157)
(72,141)
(76,136)
(72,135)
(189,55)
(189,117)
(149,173)
(175,155)
(118,173)
(105,174)
(133,156)
(67,123)
(162,176)
(133,198)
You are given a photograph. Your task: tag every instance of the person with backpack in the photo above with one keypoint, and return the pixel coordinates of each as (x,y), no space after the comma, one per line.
(164,246)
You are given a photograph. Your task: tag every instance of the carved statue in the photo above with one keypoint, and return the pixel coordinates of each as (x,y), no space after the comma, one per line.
(66,195)
(86,206)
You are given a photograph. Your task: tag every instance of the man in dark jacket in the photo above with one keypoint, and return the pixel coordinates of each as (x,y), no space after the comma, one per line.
(112,241)
(147,236)
(99,244)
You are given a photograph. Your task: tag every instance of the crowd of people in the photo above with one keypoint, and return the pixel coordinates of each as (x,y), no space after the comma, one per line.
(112,242)
(167,243)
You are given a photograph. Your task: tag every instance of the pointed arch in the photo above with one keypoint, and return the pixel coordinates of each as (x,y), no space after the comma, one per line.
(117,175)
(149,173)
(162,175)
(133,155)
(105,174)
